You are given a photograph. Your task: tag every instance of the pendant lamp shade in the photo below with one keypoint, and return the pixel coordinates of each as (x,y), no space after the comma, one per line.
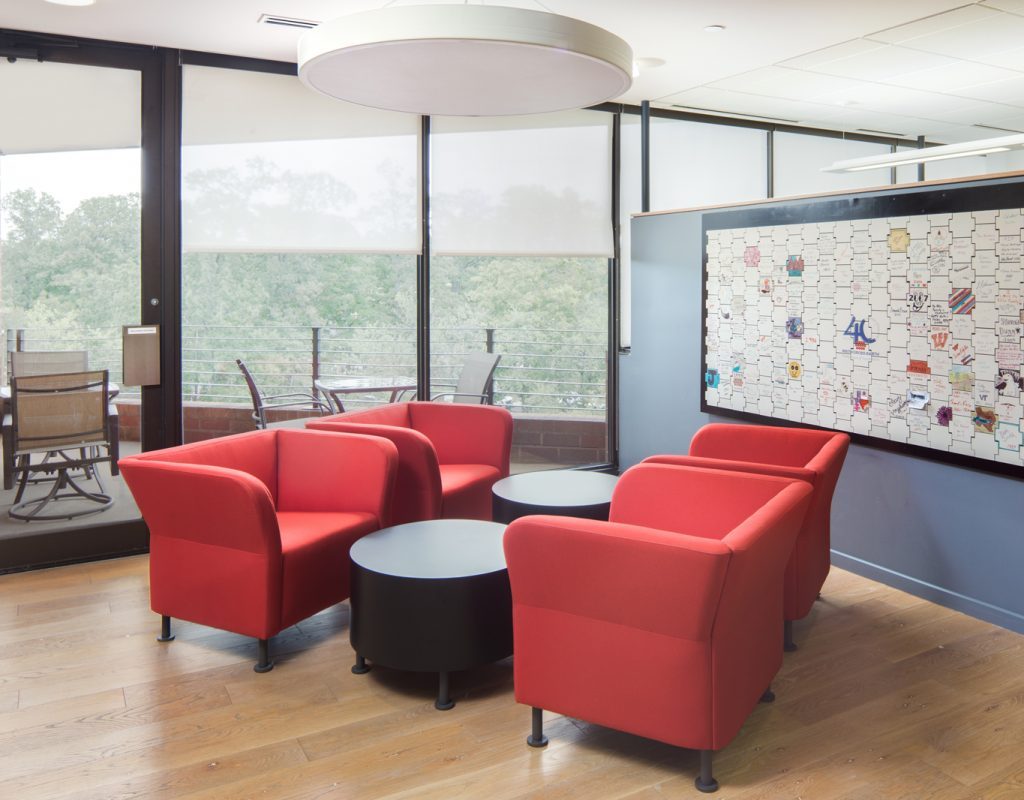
(463,60)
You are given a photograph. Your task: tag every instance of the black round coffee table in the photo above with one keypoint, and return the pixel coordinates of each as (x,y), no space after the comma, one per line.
(431,596)
(563,492)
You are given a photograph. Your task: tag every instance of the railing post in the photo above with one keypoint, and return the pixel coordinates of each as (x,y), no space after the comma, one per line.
(316,360)
(19,339)
(490,349)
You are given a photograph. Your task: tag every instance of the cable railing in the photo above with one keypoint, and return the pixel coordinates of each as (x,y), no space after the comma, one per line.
(542,371)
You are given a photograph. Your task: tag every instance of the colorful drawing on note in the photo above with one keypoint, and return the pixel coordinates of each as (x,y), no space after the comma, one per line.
(961,301)
(899,240)
(961,379)
(944,416)
(795,266)
(794,369)
(919,367)
(712,378)
(794,328)
(962,353)
(861,400)
(752,255)
(984,419)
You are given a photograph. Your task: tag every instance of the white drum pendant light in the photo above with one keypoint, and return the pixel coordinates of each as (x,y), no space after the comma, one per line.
(463,60)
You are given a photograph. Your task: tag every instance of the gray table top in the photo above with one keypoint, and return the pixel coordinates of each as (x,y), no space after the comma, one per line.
(557,488)
(437,548)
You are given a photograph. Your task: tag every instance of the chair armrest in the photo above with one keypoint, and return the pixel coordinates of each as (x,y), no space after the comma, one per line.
(8,446)
(658,581)
(778,470)
(418,478)
(208,505)
(482,396)
(698,501)
(330,471)
(466,434)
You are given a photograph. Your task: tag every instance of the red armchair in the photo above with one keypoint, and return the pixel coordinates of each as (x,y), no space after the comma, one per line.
(662,622)
(449,455)
(251,533)
(809,455)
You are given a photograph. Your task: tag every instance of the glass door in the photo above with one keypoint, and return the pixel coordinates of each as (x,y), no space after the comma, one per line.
(70,272)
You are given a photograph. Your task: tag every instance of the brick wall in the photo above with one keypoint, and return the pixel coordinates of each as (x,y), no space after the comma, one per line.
(535,439)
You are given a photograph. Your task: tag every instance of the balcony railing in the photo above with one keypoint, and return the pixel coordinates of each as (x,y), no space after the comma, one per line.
(541,371)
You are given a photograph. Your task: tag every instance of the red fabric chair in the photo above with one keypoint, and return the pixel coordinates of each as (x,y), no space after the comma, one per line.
(449,455)
(251,533)
(662,622)
(809,455)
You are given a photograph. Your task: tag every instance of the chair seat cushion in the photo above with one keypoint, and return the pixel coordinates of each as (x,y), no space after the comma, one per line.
(314,550)
(466,490)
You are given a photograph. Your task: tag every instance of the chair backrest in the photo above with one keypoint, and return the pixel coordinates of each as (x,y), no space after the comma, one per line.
(51,362)
(50,412)
(258,414)
(477,371)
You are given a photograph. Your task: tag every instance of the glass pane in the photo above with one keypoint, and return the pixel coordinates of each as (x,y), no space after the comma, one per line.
(553,343)
(799,159)
(538,185)
(69,246)
(696,164)
(299,238)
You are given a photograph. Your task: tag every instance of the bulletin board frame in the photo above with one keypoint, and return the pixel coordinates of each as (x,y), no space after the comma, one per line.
(933,200)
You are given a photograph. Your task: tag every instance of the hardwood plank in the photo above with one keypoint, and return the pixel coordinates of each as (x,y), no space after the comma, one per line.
(888,697)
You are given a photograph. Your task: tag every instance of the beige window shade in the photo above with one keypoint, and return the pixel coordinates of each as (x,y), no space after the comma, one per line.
(269,166)
(532,186)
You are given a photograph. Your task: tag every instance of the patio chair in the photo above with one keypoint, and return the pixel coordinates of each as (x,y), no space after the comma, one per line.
(262,403)
(58,415)
(47,362)
(475,380)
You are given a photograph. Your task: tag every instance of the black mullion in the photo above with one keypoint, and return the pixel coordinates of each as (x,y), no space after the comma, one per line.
(423,269)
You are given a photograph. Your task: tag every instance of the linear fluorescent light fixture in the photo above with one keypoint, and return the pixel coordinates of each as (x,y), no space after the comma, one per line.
(978,147)
(465,60)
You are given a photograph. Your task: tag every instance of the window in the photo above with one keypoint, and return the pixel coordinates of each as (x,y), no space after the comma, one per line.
(521,236)
(299,235)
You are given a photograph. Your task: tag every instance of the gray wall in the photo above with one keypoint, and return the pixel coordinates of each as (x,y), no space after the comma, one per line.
(952,535)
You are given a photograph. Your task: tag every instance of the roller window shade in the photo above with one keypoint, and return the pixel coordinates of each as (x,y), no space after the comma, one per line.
(270,166)
(525,186)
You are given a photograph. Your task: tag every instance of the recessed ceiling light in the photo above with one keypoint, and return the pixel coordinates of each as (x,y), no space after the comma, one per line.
(72,2)
(714,28)
(650,63)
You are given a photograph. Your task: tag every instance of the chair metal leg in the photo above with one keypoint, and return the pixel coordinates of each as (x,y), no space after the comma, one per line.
(444,700)
(264,664)
(360,667)
(706,782)
(787,637)
(768,696)
(165,630)
(537,737)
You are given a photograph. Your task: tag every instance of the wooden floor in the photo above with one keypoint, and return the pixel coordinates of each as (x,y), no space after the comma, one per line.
(888,697)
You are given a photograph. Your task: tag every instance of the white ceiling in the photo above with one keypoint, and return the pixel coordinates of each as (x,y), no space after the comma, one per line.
(937,68)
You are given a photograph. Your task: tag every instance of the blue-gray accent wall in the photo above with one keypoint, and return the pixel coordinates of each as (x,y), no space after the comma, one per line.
(946,533)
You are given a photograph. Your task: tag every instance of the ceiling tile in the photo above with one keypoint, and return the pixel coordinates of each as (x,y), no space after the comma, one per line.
(1013,6)
(750,104)
(955,77)
(1006,92)
(815,60)
(1010,59)
(881,62)
(790,84)
(937,23)
(997,32)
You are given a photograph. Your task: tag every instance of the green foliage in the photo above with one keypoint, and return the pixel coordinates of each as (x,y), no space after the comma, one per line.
(63,274)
